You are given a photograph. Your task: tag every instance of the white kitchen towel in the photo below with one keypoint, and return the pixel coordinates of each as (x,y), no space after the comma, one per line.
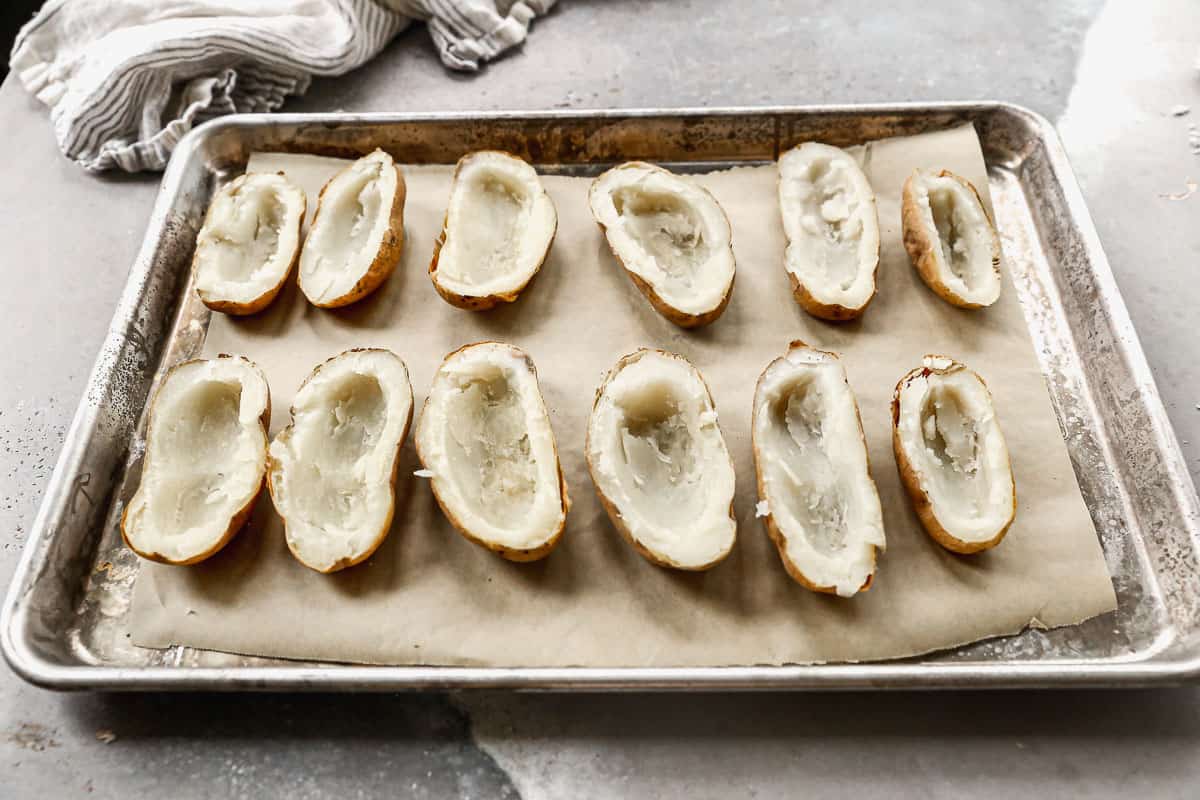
(126,79)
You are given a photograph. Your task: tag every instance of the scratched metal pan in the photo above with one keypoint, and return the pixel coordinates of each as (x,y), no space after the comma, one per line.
(64,621)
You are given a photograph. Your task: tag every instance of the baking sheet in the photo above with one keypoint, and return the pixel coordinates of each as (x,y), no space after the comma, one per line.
(429,597)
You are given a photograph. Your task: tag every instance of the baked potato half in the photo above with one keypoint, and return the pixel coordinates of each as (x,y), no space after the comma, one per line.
(816,495)
(672,238)
(249,243)
(659,461)
(206,456)
(950,238)
(832,228)
(499,226)
(485,439)
(952,456)
(357,234)
(332,470)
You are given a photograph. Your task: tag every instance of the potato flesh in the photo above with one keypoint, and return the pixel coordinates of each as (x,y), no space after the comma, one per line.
(193,486)
(490,455)
(813,493)
(830,213)
(956,446)
(245,240)
(952,444)
(814,472)
(657,455)
(965,240)
(494,211)
(667,228)
(660,455)
(330,483)
(351,218)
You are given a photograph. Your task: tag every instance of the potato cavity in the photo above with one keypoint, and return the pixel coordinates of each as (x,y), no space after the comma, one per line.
(485,436)
(832,227)
(333,468)
(822,506)
(952,455)
(205,459)
(659,462)
(249,242)
(950,239)
(499,226)
(672,238)
(357,233)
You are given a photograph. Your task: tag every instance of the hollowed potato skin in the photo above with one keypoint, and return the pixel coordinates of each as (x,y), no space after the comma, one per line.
(921,247)
(776,535)
(507,553)
(611,509)
(473,302)
(921,502)
(675,315)
(386,258)
(266,298)
(239,519)
(385,528)
(834,312)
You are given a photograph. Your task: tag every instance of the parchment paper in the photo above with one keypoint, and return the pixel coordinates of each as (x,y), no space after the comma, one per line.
(430,597)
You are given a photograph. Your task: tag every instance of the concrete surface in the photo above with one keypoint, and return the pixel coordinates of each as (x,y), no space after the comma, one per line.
(1110,73)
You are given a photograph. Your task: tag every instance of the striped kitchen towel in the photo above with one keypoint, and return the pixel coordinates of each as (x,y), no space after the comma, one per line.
(126,79)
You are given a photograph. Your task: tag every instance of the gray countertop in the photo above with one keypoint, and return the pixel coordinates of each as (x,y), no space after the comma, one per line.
(1108,74)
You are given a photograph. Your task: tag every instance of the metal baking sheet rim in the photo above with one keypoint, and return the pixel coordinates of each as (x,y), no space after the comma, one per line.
(21,653)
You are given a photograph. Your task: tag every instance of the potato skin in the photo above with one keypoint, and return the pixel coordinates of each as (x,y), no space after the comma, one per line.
(675,315)
(773,531)
(386,259)
(830,312)
(266,298)
(472,302)
(680,318)
(922,246)
(507,553)
(610,508)
(921,502)
(239,519)
(273,466)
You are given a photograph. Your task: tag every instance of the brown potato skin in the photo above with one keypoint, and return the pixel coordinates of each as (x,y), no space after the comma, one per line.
(614,514)
(385,529)
(672,313)
(922,244)
(921,502)
(680,318)
(473,302)
(831,312)
(386,258)
(266,298)
(239,519)
(507,553)
(773,531)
